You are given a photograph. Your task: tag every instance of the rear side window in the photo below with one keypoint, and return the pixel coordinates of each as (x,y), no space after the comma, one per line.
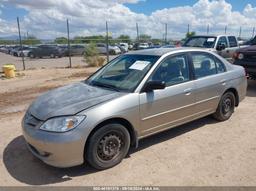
(232,41)
(204,65)
(221,68)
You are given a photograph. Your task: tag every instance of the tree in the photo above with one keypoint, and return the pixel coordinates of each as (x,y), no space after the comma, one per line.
(124,38)
(92,57)
(144,37)
(190,34)
(31,40)
(61,40)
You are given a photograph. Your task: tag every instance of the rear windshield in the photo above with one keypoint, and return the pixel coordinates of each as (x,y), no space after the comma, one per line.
(202,42)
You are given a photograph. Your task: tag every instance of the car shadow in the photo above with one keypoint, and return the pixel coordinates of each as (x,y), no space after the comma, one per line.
(251,91)
(26,168)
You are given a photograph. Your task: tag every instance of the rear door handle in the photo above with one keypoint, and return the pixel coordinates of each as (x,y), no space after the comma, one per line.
(188,91)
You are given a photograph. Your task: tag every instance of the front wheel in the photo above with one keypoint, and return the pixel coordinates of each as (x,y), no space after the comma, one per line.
(226,107)
(108,146)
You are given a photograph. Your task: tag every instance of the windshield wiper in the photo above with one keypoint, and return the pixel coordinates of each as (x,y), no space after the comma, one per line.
(98,84)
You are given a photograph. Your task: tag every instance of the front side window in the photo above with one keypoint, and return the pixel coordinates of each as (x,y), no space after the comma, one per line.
(223,40)
(173,70)
(204,65)
(123,73)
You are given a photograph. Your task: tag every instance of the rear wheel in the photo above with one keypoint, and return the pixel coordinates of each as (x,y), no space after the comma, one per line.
(226,107)
(52,55)
(108,146)
(31,55)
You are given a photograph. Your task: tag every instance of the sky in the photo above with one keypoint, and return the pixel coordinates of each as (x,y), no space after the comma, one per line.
(46,19)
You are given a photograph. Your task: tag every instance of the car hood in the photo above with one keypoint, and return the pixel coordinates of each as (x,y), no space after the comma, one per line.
(248,49)
(70,100)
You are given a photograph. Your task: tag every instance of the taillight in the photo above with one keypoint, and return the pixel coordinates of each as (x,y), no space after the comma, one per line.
(246,74)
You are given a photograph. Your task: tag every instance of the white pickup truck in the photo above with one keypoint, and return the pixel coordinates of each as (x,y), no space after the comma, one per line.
(224,45)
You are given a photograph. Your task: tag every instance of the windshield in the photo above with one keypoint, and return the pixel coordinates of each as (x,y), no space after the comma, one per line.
(203,42)
(123,73)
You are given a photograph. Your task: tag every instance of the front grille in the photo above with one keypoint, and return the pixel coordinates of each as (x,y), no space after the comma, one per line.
(250,57)
(31,120)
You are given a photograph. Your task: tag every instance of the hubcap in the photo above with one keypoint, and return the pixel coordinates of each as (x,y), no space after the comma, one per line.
(226,106)
(109,146)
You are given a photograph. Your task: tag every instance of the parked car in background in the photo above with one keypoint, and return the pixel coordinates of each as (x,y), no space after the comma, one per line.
(250,42)
(123,50)
(77,50)
(224,45)
(168,46)
(45,51)
(25,51)
(134,96)
(125,46)
(12,48)
(18,51)
(246,57)
(102,49)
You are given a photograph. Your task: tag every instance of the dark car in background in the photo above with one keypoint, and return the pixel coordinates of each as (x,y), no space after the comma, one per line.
(77,50)
(40,51)
(246,57)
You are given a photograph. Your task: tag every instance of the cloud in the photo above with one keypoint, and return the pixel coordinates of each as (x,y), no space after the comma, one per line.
(46,18)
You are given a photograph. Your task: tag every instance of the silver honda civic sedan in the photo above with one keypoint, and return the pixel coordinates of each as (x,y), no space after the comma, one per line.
(134,96)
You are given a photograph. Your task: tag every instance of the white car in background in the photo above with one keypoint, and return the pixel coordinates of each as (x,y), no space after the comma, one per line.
(24,52)
(125,46)
(102,49)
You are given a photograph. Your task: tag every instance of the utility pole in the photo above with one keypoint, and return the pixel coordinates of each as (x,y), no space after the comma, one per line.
(226,29)
(166,32)
(188,28)
(107,43)
(70,63)
(23,61)
(137,29)
(253,32)
(240,32)
(208,29)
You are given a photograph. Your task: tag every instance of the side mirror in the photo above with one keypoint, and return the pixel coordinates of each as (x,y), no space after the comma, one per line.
(154,85)
(221,47)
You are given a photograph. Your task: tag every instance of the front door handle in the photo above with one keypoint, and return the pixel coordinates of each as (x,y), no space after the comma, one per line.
(188,91)
(223,82)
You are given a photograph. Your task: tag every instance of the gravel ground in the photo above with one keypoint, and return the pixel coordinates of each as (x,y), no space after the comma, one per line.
(41,63)
(201,153)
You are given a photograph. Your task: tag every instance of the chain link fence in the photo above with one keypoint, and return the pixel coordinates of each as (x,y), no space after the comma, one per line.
(73,46)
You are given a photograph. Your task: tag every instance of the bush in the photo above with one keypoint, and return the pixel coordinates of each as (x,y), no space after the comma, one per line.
(92,57)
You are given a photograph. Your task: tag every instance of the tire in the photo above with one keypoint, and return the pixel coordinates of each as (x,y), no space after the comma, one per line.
(31,55)
(52,56)
(108,146)
(226,107)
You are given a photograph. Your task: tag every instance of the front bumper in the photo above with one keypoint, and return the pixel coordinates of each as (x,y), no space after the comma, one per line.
(56,149)
(250,67)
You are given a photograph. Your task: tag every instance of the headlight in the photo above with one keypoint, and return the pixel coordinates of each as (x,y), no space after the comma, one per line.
(240,56)
(62,124)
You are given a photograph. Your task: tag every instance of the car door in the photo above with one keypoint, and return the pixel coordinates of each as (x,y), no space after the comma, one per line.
(163,109)
(223,41)
(210,81)
(233,46)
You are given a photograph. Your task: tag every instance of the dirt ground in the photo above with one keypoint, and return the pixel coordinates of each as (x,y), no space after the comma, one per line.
(201,153)
(77,61)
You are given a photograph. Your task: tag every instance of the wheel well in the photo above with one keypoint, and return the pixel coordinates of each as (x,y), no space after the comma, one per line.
(234,91)
(124,122)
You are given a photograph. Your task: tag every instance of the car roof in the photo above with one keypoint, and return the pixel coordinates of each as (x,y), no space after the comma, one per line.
(162,51)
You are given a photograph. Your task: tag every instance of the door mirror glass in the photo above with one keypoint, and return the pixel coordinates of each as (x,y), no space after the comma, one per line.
(154,85)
